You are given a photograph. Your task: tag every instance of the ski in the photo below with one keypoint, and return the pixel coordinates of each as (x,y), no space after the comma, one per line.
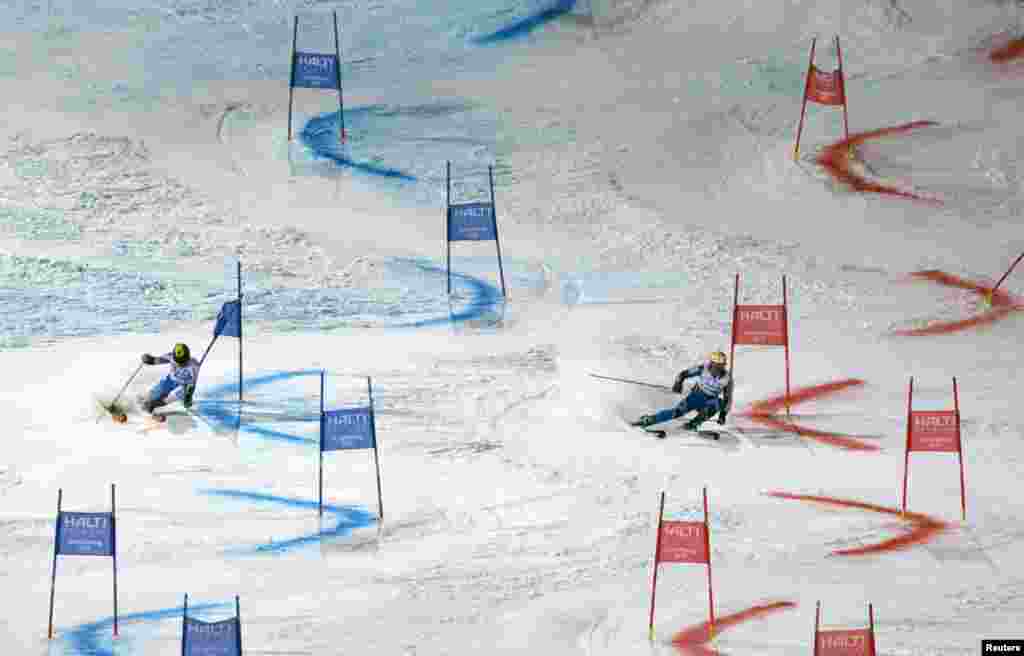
(661,433)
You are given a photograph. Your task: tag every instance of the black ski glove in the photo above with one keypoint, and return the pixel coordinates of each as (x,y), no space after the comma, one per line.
(721,418)
(189,391)
(677,386)
(148,359)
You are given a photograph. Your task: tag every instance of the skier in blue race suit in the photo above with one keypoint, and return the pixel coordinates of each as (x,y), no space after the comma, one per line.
(180,380)
(711,393)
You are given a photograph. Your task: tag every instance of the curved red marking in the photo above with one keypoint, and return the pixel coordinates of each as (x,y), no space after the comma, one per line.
(849,442)
(1003,304)
(762,412)
(801,394)
(923,527)
(836,160)
(1006,52)
(691,640)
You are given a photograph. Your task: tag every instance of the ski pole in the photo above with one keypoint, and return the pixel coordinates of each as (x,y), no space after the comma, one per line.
(137,370)
(633,382)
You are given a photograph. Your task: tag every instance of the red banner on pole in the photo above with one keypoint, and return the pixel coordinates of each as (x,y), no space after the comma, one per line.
(760,325)
(937,431)
(824,88)
(683,542)
(934,431)
(844,642)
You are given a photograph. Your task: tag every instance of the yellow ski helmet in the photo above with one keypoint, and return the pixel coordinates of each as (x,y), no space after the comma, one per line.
(718,357)
(181,353)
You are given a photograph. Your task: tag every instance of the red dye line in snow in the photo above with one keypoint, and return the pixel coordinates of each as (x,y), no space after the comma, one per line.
(801,394)
(1003,305)
(1012,50)
(923,527)
(849,442)
(691,641)
(763,412)
(836,160)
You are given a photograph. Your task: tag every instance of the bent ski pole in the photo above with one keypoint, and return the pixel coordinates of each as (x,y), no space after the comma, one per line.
(633,382)
(129,382)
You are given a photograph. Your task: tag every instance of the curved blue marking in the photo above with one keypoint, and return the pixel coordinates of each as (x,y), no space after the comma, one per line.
(320,134)
(348,518)
(224,412)
(280,436)
(483,296)
(524,26)
(87,639)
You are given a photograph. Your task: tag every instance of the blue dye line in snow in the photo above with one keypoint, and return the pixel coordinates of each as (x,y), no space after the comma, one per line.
(483,297)
(524,26)
(320,134)
(226,414)
(348,518)
(87,639)
(214,404)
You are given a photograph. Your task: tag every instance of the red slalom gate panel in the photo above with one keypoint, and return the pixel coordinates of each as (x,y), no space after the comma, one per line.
(682,542)
(934,431)
(760,325)
(825,88)
(844,642)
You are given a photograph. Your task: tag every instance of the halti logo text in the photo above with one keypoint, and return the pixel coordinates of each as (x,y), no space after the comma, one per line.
(933,422)
(676,531)
(761,315)
(316,61)
(85,522)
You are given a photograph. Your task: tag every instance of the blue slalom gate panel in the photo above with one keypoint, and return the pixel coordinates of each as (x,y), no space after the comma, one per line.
(471,222)
(211,638)
(85,534)
(316,70)
(348,428)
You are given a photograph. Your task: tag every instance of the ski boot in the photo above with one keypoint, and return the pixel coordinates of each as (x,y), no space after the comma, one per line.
(149,405)
(644,421)
(701,417)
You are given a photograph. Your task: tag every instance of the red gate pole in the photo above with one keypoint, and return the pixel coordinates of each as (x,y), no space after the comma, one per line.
(842,81)
(657,556)
(707,550)
(906,452)
(732,348)
(960,453)
(871,627)
(817,621)
(803,106)
(785,317)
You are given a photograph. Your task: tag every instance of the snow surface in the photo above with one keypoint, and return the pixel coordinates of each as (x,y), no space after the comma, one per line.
(642,153)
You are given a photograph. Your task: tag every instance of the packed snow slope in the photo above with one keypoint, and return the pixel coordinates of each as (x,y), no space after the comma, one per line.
(642,153)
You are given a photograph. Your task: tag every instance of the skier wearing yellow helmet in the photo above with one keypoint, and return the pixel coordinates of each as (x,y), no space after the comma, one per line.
(181,379)
(711,393)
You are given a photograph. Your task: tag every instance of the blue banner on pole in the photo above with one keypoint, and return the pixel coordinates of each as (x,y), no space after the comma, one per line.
(211,638)
(229,320)
(471,222)
(349,428)
(85,534)
(316,70)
